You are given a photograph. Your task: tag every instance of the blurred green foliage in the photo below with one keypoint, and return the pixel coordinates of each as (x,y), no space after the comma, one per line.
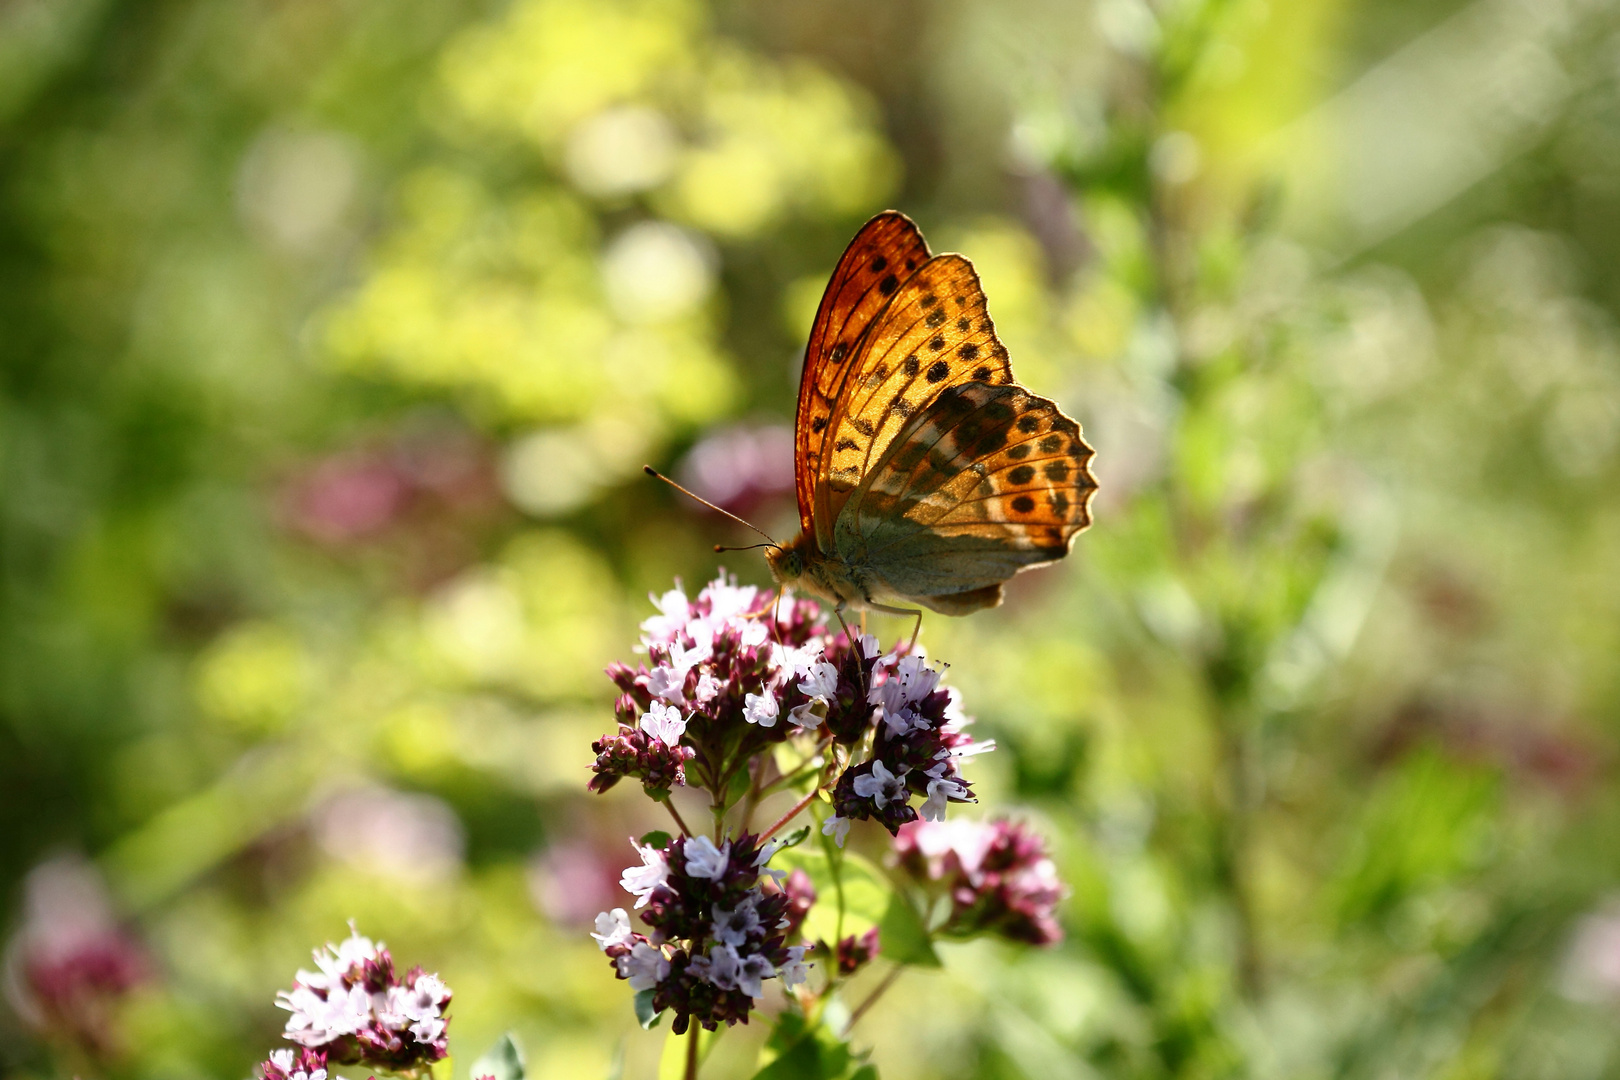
(332,336)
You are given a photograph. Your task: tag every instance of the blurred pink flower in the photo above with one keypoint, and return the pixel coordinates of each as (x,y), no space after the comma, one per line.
(738,466)
(70,962)
(407,836)
(361,492)
(573,880)
(996,873)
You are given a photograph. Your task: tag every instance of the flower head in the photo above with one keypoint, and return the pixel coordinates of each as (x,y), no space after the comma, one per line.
(288,1064)
(716,930)
(997,875)
(355,1009)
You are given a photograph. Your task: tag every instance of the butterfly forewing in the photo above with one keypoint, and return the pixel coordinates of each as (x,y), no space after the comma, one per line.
(936,333)
(986,481)
(885,253)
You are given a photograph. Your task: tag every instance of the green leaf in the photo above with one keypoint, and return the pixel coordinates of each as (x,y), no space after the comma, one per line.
(658,838)
(860,886)
(810,1053)
(644,1009)
(503,1061)
(794,838)
(903,936)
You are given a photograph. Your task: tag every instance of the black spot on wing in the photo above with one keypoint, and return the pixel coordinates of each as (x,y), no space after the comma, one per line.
(1022,475)
(1023,504)
(938,370)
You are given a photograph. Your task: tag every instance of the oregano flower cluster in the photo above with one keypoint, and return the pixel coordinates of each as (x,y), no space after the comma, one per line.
(736,686)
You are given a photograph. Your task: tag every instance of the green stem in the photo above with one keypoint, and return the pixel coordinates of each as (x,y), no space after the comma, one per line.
(692,1052)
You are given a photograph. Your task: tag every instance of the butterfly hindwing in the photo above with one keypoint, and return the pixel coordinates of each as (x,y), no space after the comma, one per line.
(986,481)
(887,251)
(935,333)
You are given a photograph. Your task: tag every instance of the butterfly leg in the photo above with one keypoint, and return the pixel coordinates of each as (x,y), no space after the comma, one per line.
(916,627)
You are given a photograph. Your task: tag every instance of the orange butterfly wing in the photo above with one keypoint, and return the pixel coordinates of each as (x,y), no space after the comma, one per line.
(987,481)
(935,333)
(887,251)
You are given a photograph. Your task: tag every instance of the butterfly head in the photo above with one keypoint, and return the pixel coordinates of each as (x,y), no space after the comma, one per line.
(787,562)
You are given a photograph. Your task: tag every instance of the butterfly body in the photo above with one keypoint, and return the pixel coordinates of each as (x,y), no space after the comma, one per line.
(925,473)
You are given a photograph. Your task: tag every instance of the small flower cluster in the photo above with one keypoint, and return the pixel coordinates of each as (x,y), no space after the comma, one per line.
(918,743)
(651,752)
(356,1010)
(71,962)
(732,672)
(716,933)
(997,875)
(286,1064)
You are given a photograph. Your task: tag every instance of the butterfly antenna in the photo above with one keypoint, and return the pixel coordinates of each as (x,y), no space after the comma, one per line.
(656,475)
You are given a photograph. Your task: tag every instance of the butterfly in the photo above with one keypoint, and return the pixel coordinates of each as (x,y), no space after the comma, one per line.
(925,474)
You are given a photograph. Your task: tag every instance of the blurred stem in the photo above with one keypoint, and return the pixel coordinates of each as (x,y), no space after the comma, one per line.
(1235,861)
(872,998)
(1172,251)
(692,1052)
(669,804)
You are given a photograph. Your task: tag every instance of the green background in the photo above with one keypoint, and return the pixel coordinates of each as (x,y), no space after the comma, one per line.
(334,333)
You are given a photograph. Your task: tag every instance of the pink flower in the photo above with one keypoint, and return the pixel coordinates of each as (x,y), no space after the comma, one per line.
(996,874)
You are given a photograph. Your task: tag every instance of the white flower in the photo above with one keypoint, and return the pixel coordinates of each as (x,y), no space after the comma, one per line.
(808,715)
(881,785)
(795,971)
(765,853)
(684,659)
(664,723)
(707,688)
(425,1031)
(821,681)
(282,1059)
(704,860)
(751,633)
(904,721)
(733,927)
(727,601)
(673,611)
(665,682)
(645,966)
(910,681)
(612,928)
(761,709)
(870,649)
(719,968)
(640,881)
(836,827)
(973,748)
(794,662)
(316,1021)
(939,793)
(752,971)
